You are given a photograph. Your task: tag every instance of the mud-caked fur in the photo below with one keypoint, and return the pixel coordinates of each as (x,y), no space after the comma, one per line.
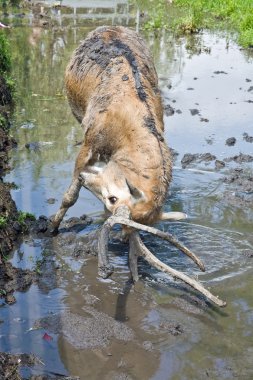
(112,89)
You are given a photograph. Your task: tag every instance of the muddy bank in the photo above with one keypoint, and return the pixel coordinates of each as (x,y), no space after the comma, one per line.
(8,210)
(10,366)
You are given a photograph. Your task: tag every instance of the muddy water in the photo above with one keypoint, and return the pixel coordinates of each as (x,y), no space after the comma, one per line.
(159,329)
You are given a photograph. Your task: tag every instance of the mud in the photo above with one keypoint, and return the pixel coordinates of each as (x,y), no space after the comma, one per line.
(241,187)
(231,141)
(94,331)
(14,279)
(10,364)
(190,159)
(8,210)
(247,138)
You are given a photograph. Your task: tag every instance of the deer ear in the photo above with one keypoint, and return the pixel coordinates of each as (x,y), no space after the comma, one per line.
(136,193)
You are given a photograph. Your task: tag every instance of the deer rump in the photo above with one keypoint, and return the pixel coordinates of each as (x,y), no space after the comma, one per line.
(112,88)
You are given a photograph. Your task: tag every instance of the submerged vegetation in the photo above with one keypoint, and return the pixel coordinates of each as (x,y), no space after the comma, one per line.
(189,16)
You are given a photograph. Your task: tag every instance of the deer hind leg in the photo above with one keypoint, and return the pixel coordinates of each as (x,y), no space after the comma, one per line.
(69,199)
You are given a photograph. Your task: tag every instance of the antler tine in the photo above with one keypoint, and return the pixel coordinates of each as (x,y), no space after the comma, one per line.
(155,262)
(117,218)
(137,248)
(105,269)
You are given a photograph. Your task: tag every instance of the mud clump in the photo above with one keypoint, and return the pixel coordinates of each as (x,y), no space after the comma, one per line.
(190,158)
(89,332)
(241,187)
(168,110)
(194,111)
(247,138)
(13,279)
(231,141)
(240,158)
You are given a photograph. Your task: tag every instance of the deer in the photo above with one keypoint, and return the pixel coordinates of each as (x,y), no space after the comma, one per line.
(112,89)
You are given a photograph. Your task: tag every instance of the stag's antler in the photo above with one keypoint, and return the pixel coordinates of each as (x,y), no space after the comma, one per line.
(137,248)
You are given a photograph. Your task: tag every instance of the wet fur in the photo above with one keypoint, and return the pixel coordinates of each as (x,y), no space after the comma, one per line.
(113,92)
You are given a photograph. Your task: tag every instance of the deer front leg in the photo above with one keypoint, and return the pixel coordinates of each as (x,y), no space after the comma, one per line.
(71,195)
(69,199)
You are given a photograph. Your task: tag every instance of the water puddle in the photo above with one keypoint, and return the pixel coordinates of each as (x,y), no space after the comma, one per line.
(167,331)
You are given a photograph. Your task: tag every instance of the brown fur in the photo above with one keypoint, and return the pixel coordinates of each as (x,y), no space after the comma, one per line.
(112,89)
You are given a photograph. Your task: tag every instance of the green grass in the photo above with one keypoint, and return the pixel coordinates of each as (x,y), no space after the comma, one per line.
(189,16)
(3,221)
(23,216)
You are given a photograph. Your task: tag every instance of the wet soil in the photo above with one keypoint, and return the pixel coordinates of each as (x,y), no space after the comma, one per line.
(11,363)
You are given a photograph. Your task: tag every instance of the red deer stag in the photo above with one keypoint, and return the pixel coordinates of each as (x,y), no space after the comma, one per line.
(113,92)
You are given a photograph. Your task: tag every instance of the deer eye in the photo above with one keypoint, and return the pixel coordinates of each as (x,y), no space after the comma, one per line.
(113,200)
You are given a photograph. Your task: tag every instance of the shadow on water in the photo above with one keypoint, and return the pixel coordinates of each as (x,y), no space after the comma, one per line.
(168,331)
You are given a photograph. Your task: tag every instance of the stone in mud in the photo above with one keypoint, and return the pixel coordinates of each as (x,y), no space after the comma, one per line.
(190,158)
(231,141)
(89,332)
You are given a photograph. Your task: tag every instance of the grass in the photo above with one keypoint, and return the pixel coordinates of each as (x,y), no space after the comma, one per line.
(189,16)
(3,222)
(23,216)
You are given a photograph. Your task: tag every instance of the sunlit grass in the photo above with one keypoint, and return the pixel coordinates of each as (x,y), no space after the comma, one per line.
(190,16)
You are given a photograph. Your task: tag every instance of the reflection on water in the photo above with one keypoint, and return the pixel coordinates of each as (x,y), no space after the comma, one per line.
(48,138)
